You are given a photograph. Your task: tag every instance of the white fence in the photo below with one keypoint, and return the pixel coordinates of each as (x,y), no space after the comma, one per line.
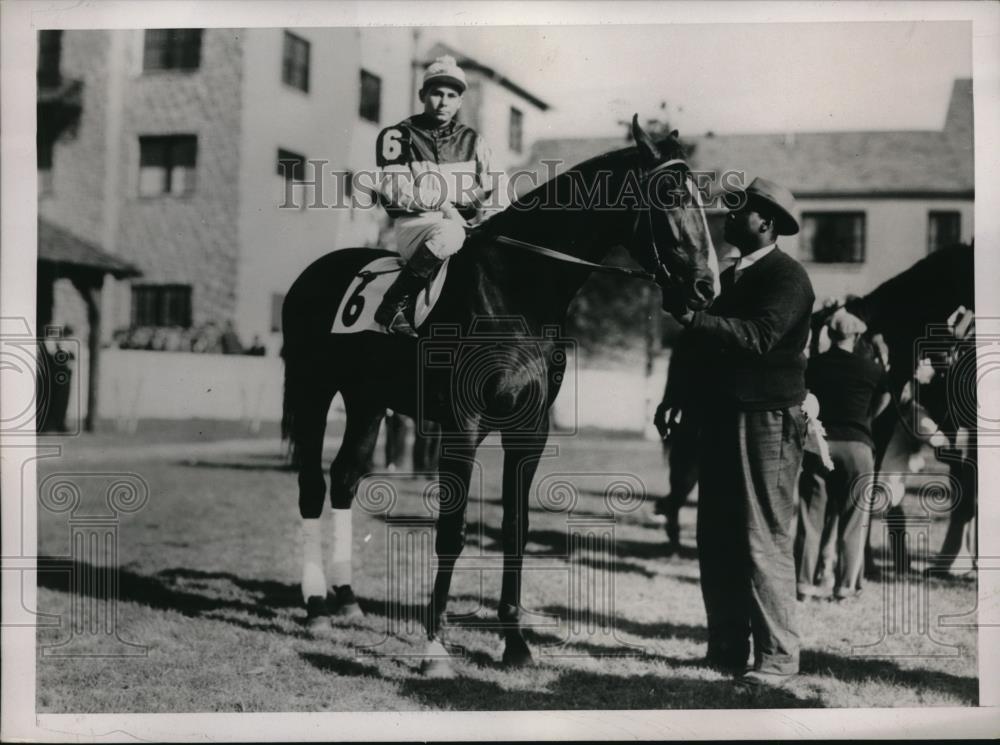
(139,385)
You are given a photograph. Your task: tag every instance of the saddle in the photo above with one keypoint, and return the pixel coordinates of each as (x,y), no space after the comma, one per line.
(356,311)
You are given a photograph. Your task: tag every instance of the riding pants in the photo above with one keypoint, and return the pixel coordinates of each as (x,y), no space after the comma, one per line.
(442,237)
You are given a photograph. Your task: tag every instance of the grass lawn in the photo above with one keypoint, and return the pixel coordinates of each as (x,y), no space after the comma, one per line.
(208,586)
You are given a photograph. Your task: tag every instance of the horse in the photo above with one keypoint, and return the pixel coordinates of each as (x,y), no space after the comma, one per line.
(905,310)
(509,298)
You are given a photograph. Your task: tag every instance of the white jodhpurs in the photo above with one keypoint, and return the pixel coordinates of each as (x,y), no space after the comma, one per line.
(442,237)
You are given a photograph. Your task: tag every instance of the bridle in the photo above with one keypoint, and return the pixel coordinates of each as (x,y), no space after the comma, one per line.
(660,275)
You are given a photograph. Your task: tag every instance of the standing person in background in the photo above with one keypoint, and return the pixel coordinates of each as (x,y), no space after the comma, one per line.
(851,389)
(678,421)
(753,337)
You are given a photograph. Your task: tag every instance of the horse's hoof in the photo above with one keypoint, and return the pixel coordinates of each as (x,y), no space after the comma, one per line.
(516,653)
(437,662)
(345,605)
(317,615)
(437,669)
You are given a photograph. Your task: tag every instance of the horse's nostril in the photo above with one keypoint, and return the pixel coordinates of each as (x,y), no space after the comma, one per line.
(704,289)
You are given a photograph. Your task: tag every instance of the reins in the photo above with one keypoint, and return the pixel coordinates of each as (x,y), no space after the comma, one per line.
(566,258)
(604,268)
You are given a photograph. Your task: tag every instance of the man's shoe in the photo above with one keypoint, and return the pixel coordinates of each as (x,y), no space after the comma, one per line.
(760,680)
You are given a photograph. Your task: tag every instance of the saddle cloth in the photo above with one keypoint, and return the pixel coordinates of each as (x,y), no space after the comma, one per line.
(357,308)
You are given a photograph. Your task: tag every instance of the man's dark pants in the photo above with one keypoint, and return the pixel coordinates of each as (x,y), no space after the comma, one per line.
(842,494)
(746,520)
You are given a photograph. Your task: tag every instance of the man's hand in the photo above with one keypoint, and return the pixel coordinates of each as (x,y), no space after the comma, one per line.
(451,213)
(675,306)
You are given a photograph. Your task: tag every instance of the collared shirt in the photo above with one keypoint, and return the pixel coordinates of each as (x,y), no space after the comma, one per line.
(745,262)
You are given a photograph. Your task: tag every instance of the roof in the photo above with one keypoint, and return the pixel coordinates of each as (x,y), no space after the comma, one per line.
(814,164)
(469,64)
(58,246)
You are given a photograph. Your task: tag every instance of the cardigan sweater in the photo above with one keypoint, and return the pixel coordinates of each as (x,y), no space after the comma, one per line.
(754,335)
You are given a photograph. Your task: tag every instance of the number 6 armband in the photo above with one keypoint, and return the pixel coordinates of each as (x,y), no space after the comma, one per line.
(392,147)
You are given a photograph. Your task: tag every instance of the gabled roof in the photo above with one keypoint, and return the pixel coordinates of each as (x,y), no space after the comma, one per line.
(823,163)
(469,64)
(58,246)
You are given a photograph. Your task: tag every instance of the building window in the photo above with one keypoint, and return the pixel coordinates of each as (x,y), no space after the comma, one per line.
(371,97)
(291,166)
(833,237)
(944,228)
(277,300)
(49,58)
(167,165)
(515,130)
(161,305)
(172,49)
(295,62)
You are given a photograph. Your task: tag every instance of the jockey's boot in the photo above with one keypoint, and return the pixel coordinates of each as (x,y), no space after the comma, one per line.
(396,310)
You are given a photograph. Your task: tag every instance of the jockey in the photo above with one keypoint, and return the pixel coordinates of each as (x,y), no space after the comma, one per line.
(433,177)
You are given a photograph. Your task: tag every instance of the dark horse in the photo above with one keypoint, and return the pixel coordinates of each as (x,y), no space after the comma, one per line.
(906,310)
(506,300)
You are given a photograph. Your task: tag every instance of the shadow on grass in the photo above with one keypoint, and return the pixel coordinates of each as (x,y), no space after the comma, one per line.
(245,463)
(341,665)
(859,669)
(654,630)
(579,689)
(159,591)
(555,544)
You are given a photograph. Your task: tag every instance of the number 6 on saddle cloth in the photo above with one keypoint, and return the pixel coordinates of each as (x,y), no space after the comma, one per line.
(357,308)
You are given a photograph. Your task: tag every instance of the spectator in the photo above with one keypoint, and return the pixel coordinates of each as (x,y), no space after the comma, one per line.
(677,420)
(231,343)
(257,348)
(850,390)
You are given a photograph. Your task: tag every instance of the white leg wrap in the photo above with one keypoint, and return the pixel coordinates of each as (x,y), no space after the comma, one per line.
(313,580)
(435,649)
(340,550)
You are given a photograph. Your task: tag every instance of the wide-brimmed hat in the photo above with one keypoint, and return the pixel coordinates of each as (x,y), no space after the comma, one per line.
(445,70)
(777,200)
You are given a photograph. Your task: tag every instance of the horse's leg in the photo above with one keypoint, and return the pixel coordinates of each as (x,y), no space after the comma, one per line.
(310,427)
(458,452)
(521,457)
(364,415)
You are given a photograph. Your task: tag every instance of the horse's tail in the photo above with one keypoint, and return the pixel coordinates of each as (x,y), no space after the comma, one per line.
(289,404)
(298,351)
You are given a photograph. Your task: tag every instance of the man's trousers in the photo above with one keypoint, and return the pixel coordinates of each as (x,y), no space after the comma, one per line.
(746,519)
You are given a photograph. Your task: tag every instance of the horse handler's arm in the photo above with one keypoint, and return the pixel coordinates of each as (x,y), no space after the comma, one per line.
(773,313)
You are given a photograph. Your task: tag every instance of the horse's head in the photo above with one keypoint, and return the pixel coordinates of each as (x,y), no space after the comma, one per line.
(671,237)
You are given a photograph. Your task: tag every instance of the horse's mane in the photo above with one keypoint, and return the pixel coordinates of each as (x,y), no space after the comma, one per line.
(670,147)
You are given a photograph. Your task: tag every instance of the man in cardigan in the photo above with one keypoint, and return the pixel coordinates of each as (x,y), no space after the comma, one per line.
(752,339)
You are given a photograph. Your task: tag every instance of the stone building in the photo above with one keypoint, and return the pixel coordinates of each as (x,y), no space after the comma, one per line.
(191,154)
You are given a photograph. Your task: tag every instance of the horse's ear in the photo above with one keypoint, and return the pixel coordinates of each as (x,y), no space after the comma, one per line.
(675,135)
(648,151)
